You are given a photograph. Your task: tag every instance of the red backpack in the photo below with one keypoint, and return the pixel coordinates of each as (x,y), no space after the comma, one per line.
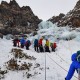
(40,42)
(54,45)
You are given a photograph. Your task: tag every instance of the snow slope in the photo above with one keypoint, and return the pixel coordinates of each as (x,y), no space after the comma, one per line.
(56,62)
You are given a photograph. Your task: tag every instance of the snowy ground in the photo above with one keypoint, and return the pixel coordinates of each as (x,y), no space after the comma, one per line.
(57,63)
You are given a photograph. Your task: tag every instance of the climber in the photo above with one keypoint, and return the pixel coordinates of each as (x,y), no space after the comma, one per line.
(75,65)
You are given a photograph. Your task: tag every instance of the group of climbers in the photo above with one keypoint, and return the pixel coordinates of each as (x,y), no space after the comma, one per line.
(21,43)
(39,47)
(38,44)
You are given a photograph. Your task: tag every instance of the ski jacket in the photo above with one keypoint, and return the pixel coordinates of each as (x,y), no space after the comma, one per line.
(36,42)
(40,41)
(47,43)
(74,66)
(17,40)
(22,41)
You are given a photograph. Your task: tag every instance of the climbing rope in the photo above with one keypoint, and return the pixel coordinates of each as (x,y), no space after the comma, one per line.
(45,66)
(62,59)
(59,65)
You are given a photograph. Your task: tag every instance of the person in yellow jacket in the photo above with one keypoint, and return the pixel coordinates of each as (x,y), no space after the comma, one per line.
(47,42)
(47,46)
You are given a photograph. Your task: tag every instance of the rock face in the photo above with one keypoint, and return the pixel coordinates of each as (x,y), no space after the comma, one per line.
(15,19)
(72,18)
(55,19)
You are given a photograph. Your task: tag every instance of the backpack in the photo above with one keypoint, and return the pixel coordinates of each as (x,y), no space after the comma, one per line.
(36,42)
(54,45)
(28,43)
(78,56)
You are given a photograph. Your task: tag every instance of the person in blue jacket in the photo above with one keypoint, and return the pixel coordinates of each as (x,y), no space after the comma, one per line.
(75,65)
(22,42)
(36,45)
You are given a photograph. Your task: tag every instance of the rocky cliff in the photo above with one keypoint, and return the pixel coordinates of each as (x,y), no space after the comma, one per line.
(72,18)
(15,19)
(55,19)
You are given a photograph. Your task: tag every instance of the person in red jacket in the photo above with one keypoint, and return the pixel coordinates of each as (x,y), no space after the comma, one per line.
(53,46)
(40,41)
(16,42)
(40,45)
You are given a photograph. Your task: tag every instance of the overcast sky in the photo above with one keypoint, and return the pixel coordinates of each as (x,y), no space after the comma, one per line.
(45,9)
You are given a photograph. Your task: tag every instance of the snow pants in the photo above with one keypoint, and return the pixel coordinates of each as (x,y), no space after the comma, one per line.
(41,48)
(47,49)
(36,48)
